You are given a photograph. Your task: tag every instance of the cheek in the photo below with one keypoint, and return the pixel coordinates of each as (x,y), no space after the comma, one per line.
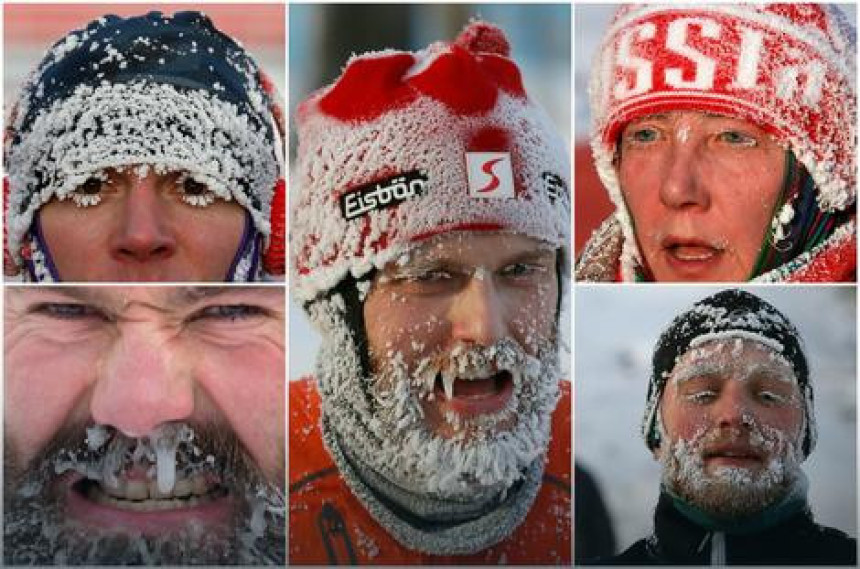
(247,385)
(45,384)
(401,324)
(531,316)
(71,231)
(210,235)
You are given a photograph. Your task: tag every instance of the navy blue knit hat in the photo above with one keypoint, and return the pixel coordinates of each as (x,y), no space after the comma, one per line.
(733,313)
(168,92)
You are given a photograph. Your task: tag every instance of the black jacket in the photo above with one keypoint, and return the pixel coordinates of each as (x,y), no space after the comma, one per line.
(677,540)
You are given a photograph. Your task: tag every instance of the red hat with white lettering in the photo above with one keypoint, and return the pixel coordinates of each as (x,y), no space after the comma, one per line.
(405,146)
(789,68)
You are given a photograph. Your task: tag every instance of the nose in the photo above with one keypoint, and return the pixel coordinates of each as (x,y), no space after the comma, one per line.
(683,185)
(143,233)
(731,410)
(141,383)
(476,313)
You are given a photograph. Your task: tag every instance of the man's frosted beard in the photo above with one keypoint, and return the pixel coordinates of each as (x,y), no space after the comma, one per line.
(489,453)
(732,492)
(37,532)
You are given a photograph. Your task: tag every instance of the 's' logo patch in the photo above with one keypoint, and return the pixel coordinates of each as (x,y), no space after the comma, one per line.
(382,194)
(490,174)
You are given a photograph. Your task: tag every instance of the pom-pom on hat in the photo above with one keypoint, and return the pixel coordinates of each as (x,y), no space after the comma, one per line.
(173,93)
(788,68)
(728,314)
(405,146)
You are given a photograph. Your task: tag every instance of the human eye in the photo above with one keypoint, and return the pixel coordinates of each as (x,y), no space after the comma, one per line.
(642,134)
(522,270)
(228,313)
(67,311)
(768,397)
(193,192)
(89,193)
(737,138)
(701,397)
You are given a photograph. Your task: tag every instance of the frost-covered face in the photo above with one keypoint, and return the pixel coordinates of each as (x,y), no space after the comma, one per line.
(159,435)
(139,225)
(731,425)
(462,341)
(701,190)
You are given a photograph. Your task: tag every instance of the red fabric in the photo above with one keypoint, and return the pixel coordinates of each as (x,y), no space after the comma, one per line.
(836,264)
(324,511)
(377,83)
(274,260)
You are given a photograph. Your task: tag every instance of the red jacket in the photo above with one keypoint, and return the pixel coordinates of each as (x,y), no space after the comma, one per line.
(328,525)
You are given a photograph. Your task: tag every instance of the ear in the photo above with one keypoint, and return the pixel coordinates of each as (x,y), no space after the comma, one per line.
(274,259)
(10,268)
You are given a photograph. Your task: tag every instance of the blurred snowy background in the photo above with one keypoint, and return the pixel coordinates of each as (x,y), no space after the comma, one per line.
(616,328)
(322,38)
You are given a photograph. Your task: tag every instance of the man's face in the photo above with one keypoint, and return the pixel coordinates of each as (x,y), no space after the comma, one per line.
(701,190)
(461,334)
(144,425)
(732,422)
(154,227)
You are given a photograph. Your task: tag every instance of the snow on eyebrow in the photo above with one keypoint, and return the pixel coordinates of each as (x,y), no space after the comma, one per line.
(723,358)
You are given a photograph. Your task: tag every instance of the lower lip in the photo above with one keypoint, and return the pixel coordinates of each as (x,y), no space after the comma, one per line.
(690,261)
(82,509)
(733,461)
(491,400)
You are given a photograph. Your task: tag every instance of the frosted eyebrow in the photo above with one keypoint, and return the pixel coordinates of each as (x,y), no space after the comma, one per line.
(703,368)
(770,370)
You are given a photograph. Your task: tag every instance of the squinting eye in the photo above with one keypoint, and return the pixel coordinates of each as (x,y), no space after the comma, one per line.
(772,398)
(195,193)
(702,397)
(230,312)
(737,138)
(67,310)
(433,276)
(522,270)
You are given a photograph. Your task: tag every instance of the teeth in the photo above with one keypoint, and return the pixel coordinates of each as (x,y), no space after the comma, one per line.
(182,488)
(137,490)
(199,486)
(448,384)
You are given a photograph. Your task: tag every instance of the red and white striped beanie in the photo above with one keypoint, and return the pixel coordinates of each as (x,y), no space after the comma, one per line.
(405,146)
(788,68)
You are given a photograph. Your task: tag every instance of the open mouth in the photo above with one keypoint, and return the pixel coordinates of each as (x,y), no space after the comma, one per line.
(691,251)
(475,395)
(145,496)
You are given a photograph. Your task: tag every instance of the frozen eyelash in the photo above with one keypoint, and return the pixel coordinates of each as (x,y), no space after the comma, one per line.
(85,200)
(198,200)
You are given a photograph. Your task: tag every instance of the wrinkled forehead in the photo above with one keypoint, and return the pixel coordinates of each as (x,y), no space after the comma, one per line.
(740,356)
(473,247)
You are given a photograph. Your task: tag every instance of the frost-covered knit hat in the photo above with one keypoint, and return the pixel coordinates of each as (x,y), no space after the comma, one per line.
(789,68)
(727,314)
(174,93)
(405,146)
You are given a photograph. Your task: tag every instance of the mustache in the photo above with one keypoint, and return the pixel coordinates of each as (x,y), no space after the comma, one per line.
(102,453)
(473,361)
